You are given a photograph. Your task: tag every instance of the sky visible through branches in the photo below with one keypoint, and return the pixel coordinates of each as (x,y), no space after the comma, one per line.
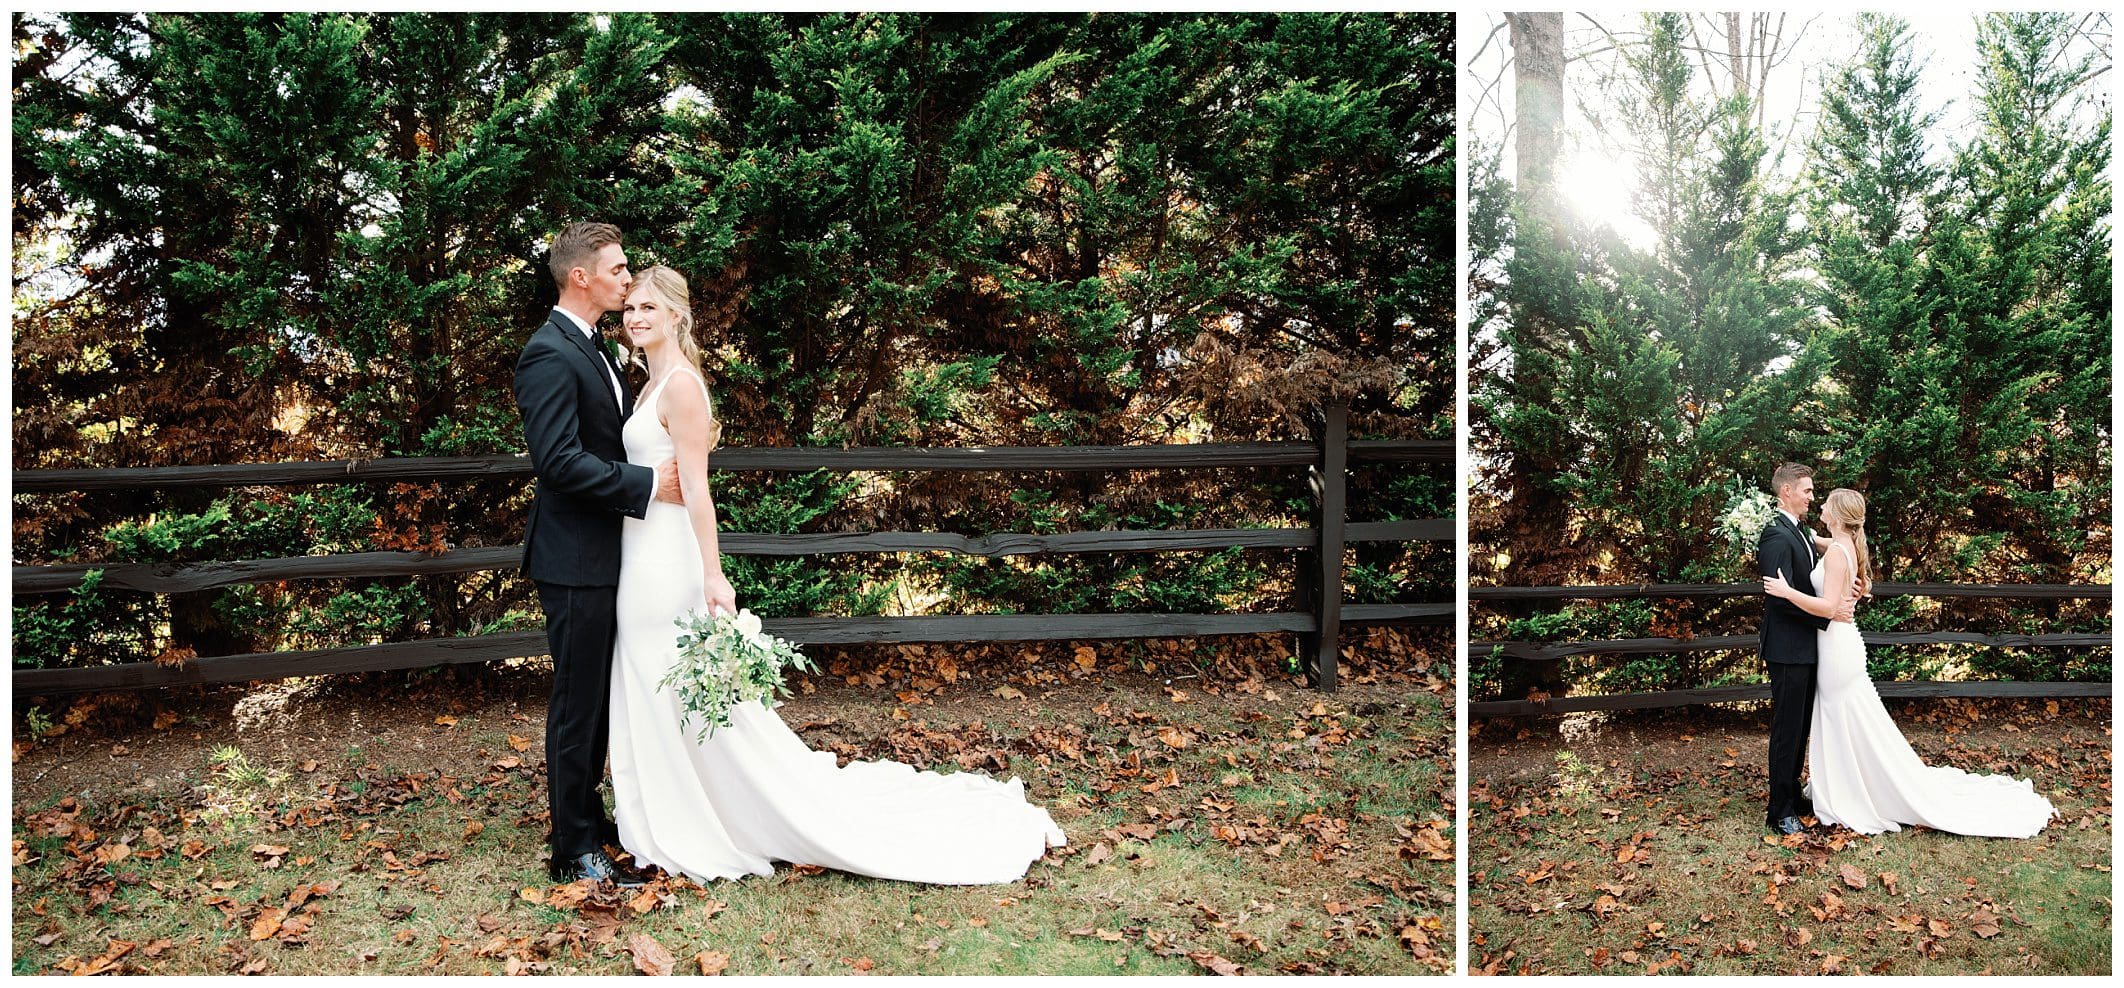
(1598,165)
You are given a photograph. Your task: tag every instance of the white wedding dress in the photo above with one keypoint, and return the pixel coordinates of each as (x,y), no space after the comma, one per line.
(1866,777)
(752,793)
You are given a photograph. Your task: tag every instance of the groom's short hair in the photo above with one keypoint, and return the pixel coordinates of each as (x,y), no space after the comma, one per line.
(1788,473)
(576,246)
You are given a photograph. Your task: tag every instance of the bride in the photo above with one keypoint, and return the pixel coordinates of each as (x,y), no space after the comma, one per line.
(1864,775)
(752,793)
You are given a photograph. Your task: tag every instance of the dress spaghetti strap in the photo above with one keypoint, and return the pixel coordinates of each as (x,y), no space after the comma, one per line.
(658,391)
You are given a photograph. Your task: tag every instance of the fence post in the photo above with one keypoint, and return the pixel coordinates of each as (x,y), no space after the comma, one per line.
(1330,487)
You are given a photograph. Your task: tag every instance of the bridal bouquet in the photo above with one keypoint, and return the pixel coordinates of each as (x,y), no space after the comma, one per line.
(1748,512)
(725,660)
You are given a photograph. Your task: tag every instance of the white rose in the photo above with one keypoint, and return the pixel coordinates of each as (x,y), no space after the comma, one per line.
(749,623)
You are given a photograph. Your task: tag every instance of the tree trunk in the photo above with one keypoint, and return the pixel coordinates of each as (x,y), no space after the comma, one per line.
(1733,54)
(1533,514)
(1537,77)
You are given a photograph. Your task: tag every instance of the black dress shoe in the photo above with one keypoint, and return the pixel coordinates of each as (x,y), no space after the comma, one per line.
(1788,825)
(598,866)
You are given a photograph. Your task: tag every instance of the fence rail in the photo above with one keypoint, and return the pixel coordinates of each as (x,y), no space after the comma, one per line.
(809,631)
(1552,651)
(1319,572)
(1000,458)
(1761,691)
(2016,591)
(188,577)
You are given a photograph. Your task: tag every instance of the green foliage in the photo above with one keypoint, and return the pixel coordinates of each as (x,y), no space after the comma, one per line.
(1370,584)
(773,586)
(1586,621)
(1180,582)
(369,614)
(279,523)
(1891,663)
(1971,364)
(236,771)
(1921,318)
(288,236)
(85,627)
(483,430)
(1390,572)
(725,660)
(1184,582)
(1486,673)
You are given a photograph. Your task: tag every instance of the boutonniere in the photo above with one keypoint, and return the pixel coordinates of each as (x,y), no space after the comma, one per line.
(611,348)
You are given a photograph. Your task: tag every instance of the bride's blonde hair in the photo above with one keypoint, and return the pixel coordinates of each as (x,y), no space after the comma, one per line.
(1847,508)
(669,287)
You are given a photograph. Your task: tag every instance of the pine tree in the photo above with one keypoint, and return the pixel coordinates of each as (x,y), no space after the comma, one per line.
(297,236)
(2027,287)
(1872,196)
(1683,362)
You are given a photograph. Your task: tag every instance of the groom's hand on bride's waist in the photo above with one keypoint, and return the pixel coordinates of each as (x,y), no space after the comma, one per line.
(667,483)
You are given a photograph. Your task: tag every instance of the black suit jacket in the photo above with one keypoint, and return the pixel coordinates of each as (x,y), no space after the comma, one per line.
(585,484)
(1788,631)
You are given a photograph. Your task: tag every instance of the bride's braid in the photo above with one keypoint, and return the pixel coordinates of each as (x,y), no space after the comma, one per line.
(1848,508)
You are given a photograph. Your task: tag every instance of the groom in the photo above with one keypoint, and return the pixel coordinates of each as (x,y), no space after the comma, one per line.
(1788,643)
(574,399)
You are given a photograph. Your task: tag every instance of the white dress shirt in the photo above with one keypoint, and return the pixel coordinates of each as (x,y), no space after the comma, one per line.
(1806,538)
(589,333)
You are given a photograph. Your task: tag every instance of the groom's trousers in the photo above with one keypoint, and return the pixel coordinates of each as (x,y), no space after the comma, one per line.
(580,628)
(1791,714)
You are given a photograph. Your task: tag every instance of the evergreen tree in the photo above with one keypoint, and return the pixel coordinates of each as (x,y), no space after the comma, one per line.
(1684,361)
(1872,196)
(1935,334)
(296,236)
(2024,265)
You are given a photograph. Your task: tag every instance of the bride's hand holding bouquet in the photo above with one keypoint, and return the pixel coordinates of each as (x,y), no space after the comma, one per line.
(726,659)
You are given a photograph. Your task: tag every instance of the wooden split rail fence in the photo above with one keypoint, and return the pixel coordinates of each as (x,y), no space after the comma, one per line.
(1543,651)
(1319,568)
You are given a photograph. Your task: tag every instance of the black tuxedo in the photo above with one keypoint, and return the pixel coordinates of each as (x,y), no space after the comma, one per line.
(1788,631)
(572,551)
(585,484)
(1788,646)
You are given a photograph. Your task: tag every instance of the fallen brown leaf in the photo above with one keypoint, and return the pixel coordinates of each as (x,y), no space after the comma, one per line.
(1215,964)
(650,957)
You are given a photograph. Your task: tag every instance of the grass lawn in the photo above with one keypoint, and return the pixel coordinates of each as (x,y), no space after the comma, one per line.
(308,828)
(1635,847)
